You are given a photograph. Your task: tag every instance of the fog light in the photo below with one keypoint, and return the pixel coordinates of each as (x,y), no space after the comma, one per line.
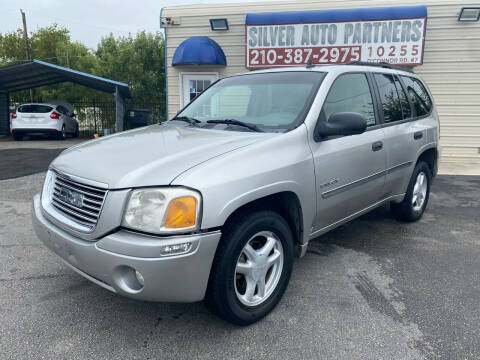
(139,277)
(175,249)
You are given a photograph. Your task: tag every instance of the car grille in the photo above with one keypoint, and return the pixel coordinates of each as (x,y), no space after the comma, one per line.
(80,202)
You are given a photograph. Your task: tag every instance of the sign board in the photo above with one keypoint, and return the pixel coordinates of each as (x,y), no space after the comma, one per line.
(394,35)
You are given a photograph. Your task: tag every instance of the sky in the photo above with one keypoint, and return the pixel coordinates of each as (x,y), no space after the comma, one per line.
(89,20)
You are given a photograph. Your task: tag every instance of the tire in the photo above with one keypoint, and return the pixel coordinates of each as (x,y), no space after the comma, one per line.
(413,205)
(62,135)
(17,137)
(227,289)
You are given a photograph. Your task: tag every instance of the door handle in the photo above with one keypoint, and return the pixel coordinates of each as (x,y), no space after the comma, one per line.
(418,135)
(377,145)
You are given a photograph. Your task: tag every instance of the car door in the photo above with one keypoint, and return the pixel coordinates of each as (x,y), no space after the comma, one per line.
(349,170)
(404,135)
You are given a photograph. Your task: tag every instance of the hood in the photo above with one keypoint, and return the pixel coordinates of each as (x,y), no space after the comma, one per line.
(149,156)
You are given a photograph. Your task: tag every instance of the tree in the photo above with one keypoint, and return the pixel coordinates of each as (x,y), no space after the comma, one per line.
(12,47)
(138,60)
(51,44)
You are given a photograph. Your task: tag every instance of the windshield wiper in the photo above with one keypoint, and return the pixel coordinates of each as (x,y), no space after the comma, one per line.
(236,122)
(190,120)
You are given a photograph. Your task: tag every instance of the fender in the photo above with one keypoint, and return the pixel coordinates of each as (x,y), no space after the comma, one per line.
(282,163)
(264,191)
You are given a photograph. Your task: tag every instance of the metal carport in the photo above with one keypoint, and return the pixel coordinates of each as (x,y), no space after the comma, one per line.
(38,73)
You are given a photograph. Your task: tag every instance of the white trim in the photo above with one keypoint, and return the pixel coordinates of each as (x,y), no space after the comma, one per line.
(180,83)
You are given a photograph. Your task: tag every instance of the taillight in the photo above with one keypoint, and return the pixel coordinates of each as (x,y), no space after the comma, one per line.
(14,115)
(54,115)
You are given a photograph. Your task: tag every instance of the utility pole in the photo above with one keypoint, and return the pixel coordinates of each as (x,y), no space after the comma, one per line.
(27,47)
(68,58)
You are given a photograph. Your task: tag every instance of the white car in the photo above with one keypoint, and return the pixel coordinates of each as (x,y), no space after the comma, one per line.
(55,117)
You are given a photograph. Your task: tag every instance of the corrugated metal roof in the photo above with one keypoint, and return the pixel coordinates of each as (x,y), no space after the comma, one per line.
(37,73)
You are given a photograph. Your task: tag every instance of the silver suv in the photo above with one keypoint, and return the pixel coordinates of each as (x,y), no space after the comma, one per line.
(218,201)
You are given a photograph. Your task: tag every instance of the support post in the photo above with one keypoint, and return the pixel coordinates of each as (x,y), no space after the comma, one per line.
(4,113)
(119,111)
(27,45)
(95,116)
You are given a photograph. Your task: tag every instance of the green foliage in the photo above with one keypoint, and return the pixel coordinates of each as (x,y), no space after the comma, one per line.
(12,47)
(137,60)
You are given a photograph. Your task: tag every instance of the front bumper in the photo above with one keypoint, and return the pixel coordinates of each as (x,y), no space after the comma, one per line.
(112,260)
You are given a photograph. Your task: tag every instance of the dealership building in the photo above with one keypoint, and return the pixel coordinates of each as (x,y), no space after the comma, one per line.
(439,39)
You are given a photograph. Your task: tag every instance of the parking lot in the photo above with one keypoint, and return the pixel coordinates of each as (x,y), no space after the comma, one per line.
(372,289)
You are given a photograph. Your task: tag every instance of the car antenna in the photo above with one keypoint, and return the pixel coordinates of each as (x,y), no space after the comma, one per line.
(310,64)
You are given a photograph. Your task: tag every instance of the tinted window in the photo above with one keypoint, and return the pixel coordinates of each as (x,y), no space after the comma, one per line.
(392,108)
(406,110)
(35,109)
(418,96)
(350,93)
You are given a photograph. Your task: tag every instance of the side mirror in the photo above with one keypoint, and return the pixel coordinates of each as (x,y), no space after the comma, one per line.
(341,123)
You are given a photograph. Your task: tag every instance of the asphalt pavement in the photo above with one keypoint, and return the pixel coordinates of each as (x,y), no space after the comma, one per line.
(33,155)
(372,289)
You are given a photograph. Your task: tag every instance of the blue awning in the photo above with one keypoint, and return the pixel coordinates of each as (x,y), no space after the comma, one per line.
(199,50)
(320,16)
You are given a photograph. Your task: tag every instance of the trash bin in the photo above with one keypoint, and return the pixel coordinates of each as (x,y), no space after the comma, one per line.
(138,118)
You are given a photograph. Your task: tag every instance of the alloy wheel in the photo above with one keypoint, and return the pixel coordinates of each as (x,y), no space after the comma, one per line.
(259,268)
(419,191)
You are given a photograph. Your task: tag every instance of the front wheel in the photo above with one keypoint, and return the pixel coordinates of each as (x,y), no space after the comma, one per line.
(252,267)
(416,198)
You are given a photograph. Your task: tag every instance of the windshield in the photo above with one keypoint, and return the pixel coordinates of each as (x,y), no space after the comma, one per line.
(272,102)
(35,109)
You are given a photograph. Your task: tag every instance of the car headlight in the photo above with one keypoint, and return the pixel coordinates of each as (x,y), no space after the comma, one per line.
(163,210)
(47,191)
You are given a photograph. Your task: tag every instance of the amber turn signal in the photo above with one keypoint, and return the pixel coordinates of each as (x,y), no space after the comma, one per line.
(181,213)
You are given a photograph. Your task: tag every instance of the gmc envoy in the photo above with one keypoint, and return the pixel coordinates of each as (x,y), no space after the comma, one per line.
(215,203)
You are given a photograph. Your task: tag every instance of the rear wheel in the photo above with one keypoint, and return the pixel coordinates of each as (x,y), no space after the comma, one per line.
(62,135)
(17,137)
(252,267)
(416,198)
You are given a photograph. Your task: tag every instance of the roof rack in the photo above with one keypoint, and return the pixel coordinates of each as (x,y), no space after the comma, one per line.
(381,64)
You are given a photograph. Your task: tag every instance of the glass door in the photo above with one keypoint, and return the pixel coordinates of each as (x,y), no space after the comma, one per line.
(193,85)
